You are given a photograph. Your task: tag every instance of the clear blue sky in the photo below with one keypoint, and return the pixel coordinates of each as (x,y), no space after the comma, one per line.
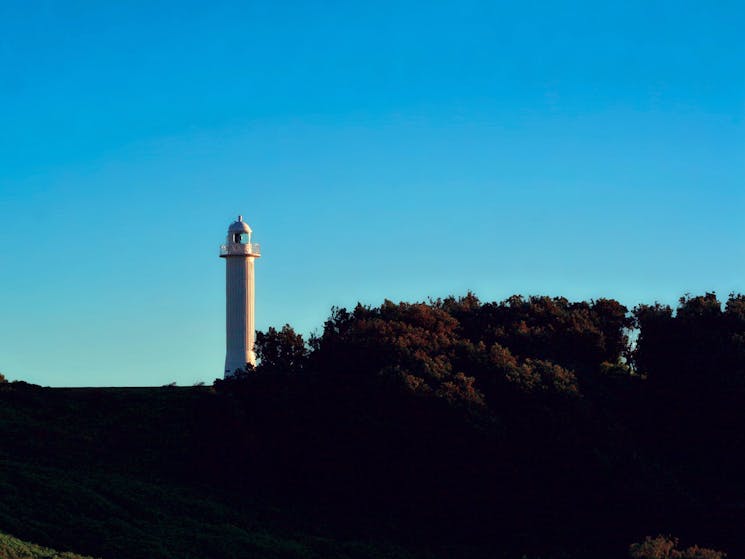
(378,149)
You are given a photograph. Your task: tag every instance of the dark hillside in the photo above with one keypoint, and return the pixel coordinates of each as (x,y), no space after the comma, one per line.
(447,429)
(136,473)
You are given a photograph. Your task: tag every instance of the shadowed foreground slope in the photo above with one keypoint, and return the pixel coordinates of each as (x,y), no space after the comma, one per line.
(118,473)
(455,428)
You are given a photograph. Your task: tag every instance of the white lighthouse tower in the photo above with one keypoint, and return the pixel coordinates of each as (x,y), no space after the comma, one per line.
(239,254)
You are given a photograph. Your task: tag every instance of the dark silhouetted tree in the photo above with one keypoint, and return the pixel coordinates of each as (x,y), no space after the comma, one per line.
(280,351)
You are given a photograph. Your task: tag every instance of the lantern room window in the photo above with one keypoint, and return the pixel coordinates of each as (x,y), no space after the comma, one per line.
(241,238)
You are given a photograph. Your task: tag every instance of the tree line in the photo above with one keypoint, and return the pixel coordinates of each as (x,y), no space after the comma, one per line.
(536,422)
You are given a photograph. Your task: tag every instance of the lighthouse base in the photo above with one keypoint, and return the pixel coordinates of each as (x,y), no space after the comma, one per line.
(239,363)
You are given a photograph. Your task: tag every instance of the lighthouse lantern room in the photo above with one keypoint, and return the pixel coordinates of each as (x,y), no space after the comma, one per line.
(239,252)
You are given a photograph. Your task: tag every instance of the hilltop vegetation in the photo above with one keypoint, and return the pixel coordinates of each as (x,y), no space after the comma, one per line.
(443,429)
(13,548)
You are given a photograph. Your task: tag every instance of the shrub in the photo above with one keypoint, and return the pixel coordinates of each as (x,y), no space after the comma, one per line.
(666,547)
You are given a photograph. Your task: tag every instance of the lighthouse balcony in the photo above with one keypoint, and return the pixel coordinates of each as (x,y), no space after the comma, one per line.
(240,249)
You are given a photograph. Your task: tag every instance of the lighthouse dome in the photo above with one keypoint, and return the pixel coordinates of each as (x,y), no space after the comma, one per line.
(239,226)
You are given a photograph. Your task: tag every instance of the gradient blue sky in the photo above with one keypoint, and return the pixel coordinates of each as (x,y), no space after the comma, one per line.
(378,149)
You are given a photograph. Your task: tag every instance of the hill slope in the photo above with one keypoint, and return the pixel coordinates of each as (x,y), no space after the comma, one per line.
(530,427)
(112,473)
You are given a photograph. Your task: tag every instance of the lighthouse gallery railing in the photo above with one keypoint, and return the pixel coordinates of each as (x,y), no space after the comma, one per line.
(235,249)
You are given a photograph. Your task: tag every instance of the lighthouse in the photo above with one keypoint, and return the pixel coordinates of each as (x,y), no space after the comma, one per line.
(239,253)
